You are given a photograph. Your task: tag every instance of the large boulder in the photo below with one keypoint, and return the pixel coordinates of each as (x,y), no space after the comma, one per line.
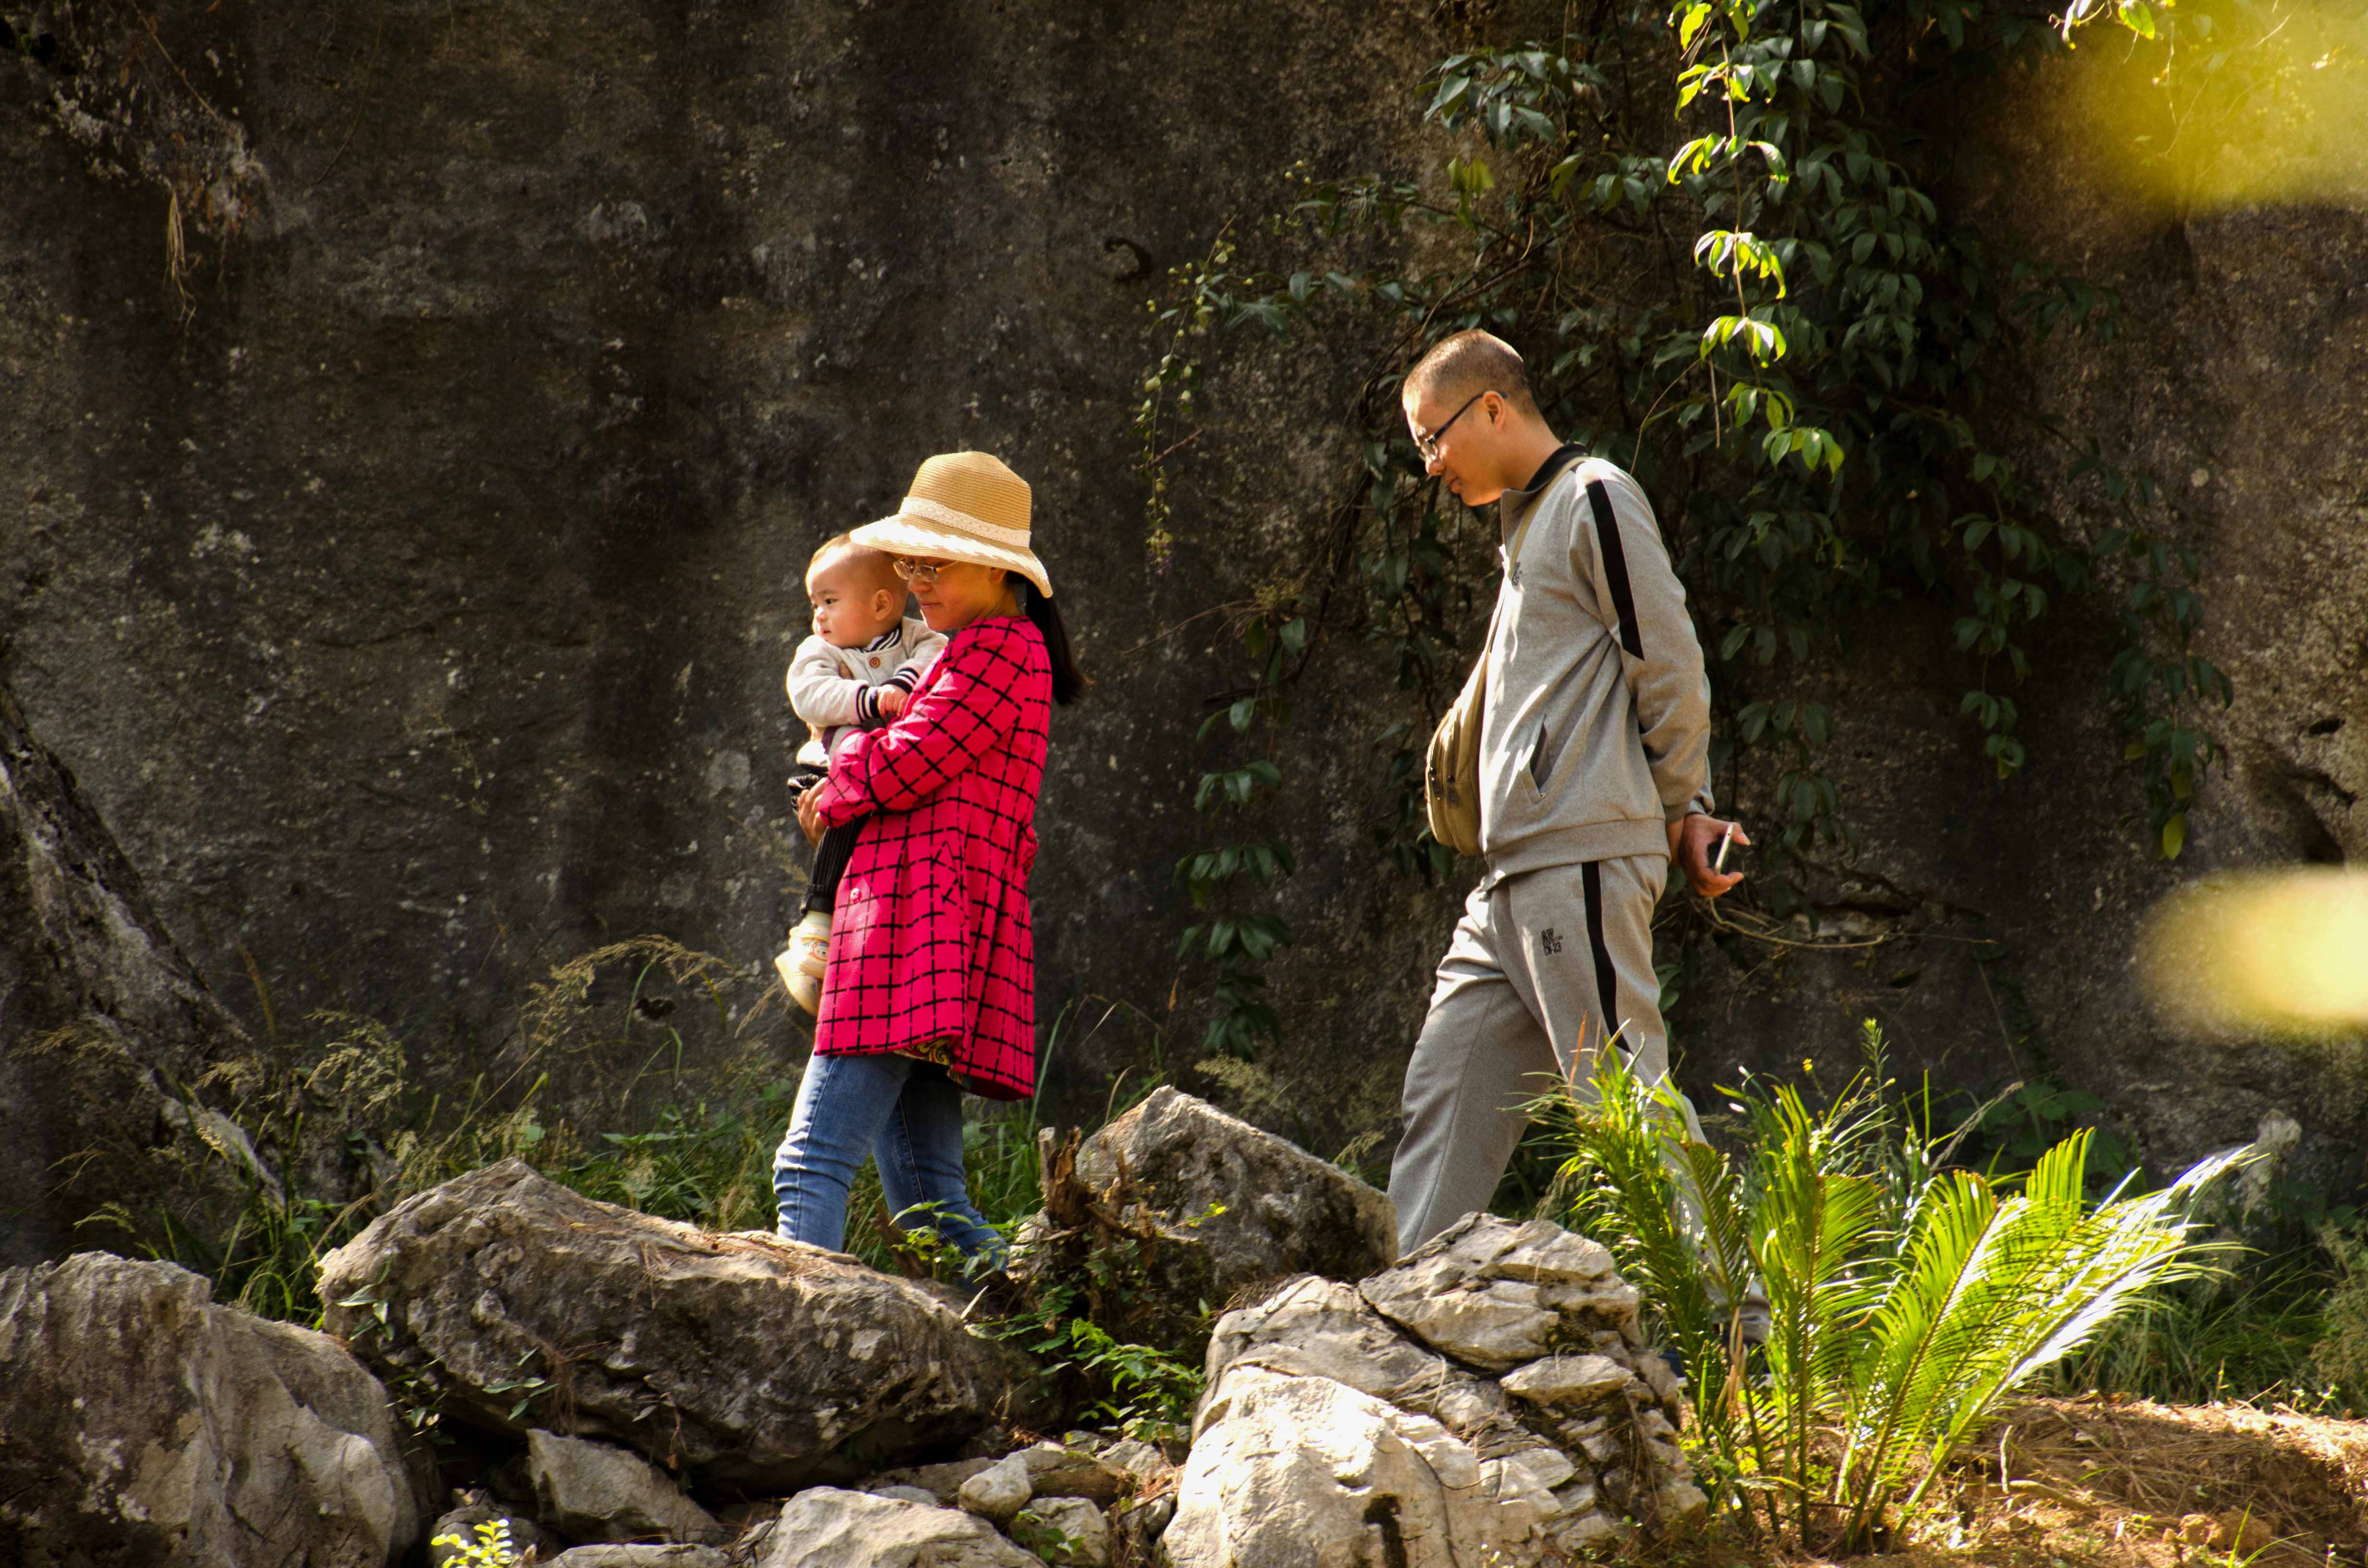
(1208,1206)
(740,1359)
(141,1424)
(1523,1420)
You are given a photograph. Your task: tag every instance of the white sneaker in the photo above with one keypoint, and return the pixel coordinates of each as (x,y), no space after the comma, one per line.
(803,962)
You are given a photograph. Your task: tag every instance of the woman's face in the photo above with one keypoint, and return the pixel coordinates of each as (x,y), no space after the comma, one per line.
(962,592)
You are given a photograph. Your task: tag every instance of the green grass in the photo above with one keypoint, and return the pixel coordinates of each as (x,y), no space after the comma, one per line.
(2248,1335)
(689,1142)
(695,1144)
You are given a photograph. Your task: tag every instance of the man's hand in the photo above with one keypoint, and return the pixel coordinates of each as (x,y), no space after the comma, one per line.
(1693,843)
(891,699)
(809,814)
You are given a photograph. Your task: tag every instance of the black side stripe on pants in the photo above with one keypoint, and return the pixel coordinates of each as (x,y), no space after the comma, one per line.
(1616,568)
(1607,981)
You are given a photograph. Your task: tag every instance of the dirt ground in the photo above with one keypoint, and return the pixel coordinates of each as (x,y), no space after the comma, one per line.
(2124,1484)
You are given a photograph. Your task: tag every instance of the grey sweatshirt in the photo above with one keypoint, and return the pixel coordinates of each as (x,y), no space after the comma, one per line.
(1596,732)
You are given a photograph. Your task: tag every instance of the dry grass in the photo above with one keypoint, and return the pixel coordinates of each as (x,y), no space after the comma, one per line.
(2128,1483)
(2120,1483)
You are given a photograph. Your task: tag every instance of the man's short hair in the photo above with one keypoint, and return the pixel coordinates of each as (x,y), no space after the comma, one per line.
(1469,363)
(874,566)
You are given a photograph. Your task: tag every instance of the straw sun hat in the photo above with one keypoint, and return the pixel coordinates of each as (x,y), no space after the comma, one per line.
(963,506)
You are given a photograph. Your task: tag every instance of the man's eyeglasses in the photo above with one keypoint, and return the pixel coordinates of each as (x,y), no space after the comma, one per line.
(1427,442)
(920,573)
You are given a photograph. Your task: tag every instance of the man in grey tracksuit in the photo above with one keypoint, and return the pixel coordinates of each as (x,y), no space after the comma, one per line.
(1594,773)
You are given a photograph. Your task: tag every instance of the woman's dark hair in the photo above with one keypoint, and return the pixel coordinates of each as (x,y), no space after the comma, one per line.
(1068,682)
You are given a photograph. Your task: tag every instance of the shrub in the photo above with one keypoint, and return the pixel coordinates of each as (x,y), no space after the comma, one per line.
(1908,1299)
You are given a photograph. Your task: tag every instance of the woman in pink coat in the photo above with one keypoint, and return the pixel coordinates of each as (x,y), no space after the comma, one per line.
(931,987)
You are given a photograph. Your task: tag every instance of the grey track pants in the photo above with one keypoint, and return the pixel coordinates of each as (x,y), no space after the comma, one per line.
(1538,964)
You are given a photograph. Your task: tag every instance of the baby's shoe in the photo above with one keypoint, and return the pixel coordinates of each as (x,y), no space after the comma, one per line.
(803,963)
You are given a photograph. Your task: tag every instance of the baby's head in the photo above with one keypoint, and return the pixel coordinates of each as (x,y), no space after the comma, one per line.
(856,593)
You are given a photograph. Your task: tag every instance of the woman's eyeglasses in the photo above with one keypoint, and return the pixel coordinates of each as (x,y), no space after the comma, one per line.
(920,573)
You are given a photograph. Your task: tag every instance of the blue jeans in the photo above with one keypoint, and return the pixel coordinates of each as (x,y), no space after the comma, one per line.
(907,1116)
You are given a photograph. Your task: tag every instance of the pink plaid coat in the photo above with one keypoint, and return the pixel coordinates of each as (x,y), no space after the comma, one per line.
(930,938)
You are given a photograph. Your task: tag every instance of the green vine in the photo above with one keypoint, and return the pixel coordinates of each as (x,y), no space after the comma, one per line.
(1228,882)
(1770,318)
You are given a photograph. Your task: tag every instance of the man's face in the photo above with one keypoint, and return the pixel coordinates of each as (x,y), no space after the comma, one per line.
(1463,427)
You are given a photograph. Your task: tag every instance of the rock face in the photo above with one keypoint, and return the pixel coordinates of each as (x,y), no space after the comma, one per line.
(453,545)
(146,1426)
(1210,1205)
(736,1358)
(420,602)
(1360,1425)
(825,1527)
(85,966)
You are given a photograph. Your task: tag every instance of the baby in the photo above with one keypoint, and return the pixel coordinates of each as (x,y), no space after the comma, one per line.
(862,661)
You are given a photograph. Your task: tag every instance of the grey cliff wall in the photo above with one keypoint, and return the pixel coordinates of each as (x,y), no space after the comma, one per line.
(415,613)
(2009,912)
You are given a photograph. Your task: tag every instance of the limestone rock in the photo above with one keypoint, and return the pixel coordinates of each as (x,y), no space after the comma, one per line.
(1138,1461)
(1495,1325)
(1348,1425)
(1000,1491)
(1138,1524)
(145,1423)
(737,1358)
(475,1508)
(1495,1294)
(1057,1470)
(1683,1503)
(941,1482)
(595,1491)
(1304,1469)
(1312,1327)
(1232,1206)
(1568,1379)
(905,1494)
(825,1527)
(639,1555)
(1070,1532)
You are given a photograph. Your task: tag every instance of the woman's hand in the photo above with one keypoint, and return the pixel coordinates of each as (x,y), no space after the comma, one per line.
(809,814)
